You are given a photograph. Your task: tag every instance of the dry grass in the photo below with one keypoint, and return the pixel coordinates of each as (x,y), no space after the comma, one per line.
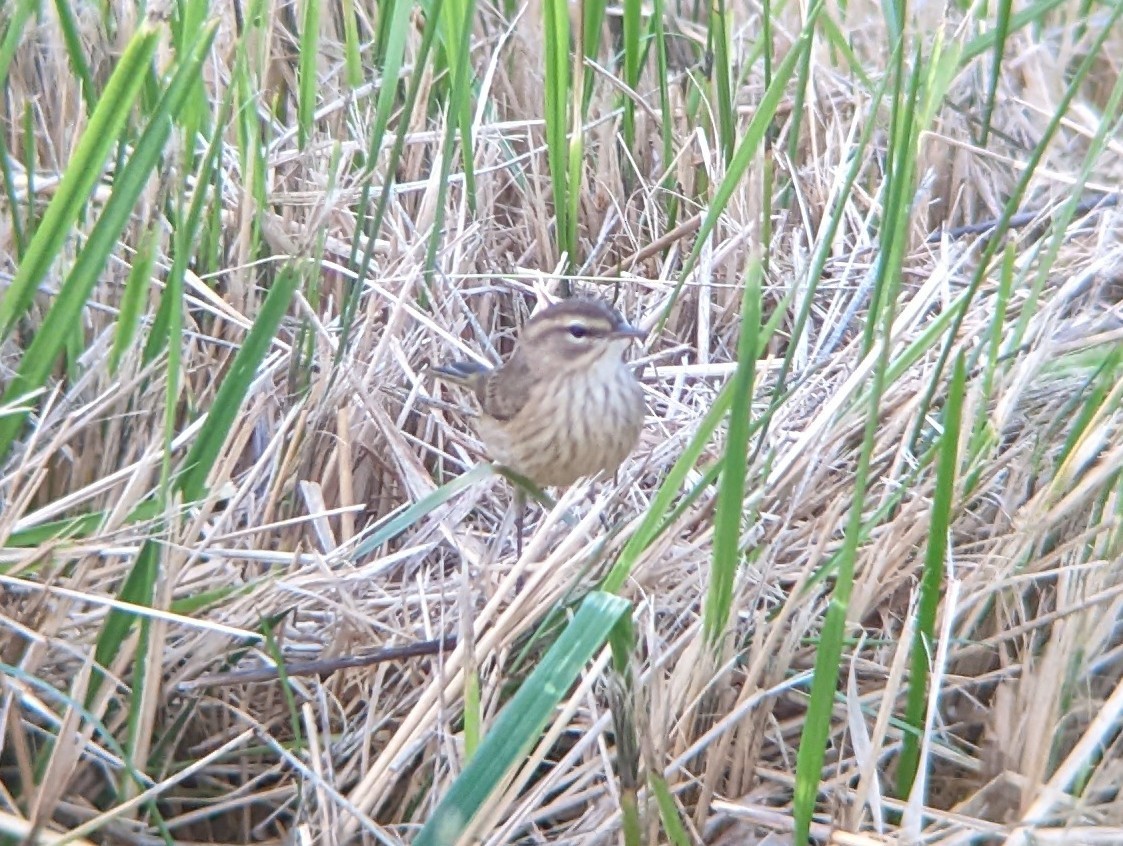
(1028,667)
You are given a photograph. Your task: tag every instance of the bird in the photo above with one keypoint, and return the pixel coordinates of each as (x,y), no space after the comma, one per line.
(565,405)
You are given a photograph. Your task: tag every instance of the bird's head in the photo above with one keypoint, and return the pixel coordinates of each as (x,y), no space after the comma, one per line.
(577,334)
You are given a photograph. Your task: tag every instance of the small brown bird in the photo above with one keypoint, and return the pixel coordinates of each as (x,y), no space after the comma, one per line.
(565,404)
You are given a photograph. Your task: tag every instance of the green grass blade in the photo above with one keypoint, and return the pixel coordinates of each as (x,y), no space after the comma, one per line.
(11,195)
(1013,203)
(669,814)
(473,713)
(575,168)
(232,393)
(924,635)
(394,22)
(15,19)
(187,230)
(799,97)
(899,181)
(988,42)
(731,494)
(75,53)
(633,54)
(750,144)
(137,589)
(556,32)
(395,524)
(51,695)
(81,526)
(173,299)
(396,15)
(893,12)
(352,58)
(308,79)
(722,78)
(592,21)
(460,99)
(273,648)
(43,351)
(661,503)
(666,127)
(663,511)
(1063,218)
(983,434)
(460,13)
(132,301)
(85,168)
(521,721)
(1001,31)
(1100,399)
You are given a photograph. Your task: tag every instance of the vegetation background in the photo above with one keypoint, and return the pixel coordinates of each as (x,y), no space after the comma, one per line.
(860,582)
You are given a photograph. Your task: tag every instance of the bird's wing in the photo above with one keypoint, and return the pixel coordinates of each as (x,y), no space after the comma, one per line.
(505,390)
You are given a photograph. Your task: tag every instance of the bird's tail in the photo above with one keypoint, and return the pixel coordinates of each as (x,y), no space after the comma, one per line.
(467,373)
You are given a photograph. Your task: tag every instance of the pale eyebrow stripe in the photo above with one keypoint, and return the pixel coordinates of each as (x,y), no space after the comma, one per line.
(594,327)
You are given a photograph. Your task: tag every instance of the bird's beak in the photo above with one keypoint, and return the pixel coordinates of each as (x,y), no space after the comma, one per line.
(626,330)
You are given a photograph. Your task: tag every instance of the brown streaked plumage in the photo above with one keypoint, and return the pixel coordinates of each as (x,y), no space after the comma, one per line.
(565,404)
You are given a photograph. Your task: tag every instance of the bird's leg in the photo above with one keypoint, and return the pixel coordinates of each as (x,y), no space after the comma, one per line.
(603,519)
(604,524)
(521,487)
(520,508)
(591,498)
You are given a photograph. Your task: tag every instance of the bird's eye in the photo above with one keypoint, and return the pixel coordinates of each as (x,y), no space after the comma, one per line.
(578,330)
